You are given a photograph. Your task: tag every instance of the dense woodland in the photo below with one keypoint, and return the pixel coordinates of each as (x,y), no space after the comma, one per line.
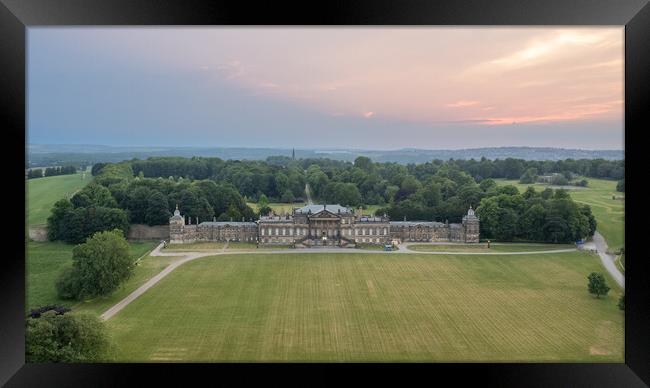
(147,191)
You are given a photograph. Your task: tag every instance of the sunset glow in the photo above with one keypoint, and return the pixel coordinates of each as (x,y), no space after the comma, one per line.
(425,78)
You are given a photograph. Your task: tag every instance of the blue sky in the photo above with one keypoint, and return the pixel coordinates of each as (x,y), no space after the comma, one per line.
(325,87)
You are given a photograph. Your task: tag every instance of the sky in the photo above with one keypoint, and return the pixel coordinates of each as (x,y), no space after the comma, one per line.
(363,88)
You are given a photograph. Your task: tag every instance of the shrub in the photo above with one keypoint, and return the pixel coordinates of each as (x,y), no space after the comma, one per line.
(54,337)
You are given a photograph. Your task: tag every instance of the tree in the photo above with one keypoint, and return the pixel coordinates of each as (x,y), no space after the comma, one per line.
(597,284)
(99,266)
(34,173)
(157,209)
(97,168)
(430,195)
(409,186)
(93,195)
(508,189)
(346,194)
(55,227)
(547,193)
(585,210)
(194,205)
(364,163)
(561,194)
(529,176)
(513,168)
(532,223)
(263,201)
(137,202)
(71,337)
(620,186)
(265,210)
(621,302)
(287,197)
(487,184)
(102,219)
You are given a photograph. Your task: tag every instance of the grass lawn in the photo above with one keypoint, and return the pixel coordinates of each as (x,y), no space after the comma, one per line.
(374,307)
(609,212)
(374,247)
(371,209)
(278,207)
(44,263)
(42,193)
(482,247)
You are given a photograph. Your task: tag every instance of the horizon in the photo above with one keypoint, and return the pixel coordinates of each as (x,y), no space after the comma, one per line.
(320,148)
(442,88)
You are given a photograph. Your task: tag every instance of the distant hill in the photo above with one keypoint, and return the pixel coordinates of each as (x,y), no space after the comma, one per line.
(48,155)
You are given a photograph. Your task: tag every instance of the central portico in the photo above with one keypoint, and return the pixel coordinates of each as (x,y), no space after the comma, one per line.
(311,225)
(324,224)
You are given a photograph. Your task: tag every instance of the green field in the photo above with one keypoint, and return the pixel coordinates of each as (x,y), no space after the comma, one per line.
(46,260)
(42,193)
(278,208)
(482,248)
(374,307)
(609,212)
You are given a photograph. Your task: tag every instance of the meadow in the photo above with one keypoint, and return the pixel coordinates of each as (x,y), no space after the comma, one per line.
(609,212)
(42,193)
(374,307)
(483,248)
(278,207)
(45,261)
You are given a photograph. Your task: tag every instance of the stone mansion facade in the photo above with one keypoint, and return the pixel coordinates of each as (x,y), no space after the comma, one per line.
(323,225)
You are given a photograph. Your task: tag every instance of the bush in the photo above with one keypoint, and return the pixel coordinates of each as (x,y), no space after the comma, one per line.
(68,284)
(54,337)
(59,310)
(621,302)
(620,186)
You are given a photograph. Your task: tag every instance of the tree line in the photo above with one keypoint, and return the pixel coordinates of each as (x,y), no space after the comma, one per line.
(50,171)
(147,191)
(548,216)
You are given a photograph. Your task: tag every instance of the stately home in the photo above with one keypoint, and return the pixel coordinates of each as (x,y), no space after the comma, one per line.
(323,225)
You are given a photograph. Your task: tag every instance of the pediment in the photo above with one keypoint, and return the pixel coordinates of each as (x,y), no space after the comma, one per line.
(325,214)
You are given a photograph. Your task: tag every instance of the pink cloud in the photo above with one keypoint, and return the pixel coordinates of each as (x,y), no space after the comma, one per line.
(462,104)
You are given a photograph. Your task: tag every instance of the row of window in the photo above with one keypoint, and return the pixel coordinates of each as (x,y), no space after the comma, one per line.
(289,240)
(304,231)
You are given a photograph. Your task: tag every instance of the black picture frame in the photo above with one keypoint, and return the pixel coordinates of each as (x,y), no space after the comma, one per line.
(18,15)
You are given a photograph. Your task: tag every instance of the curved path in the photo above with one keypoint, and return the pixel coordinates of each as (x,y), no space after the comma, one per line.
(184,257)
(608,260)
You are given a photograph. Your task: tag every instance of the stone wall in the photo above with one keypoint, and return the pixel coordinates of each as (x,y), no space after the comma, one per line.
(146,232)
